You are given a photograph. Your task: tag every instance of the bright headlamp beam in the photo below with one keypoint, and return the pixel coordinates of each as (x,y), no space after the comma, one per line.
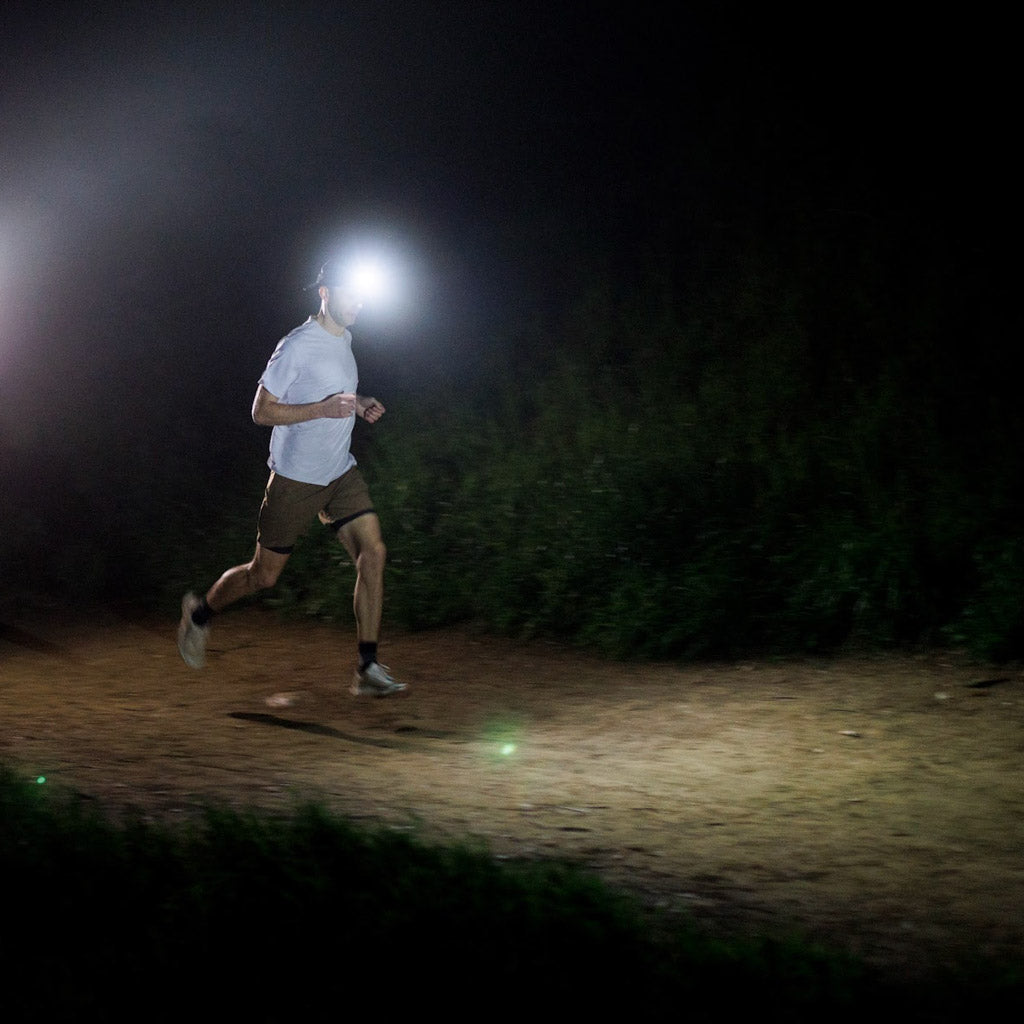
(367,280)
(363,279)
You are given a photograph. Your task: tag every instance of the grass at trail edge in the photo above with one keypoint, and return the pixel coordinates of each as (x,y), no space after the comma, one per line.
(272,918)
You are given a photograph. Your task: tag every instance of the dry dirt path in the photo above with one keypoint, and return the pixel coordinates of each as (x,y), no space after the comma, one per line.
(873,803)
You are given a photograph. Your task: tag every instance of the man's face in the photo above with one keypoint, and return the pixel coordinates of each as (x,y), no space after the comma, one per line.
(343,306)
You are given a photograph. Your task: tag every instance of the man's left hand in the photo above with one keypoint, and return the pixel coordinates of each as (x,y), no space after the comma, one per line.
(369,408)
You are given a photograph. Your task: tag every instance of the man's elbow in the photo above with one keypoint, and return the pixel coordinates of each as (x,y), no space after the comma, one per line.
(261,409)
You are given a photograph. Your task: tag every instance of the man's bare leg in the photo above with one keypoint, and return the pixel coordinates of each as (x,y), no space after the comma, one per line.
(245,580)
(363,541)
(238,582)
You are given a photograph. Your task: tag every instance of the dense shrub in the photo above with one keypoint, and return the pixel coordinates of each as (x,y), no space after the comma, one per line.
(791,453)
(712,485)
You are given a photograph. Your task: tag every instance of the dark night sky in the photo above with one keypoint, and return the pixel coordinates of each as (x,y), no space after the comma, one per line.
(170,177)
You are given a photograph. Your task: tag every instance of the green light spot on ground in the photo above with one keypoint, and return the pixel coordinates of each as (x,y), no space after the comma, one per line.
(508,748)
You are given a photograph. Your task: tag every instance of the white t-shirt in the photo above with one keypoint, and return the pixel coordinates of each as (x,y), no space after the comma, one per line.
(308,365)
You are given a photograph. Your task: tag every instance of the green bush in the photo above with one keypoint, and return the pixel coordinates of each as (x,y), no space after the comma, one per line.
(705,487)
(798,457)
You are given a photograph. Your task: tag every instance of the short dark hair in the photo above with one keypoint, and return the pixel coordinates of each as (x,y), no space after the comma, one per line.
(332,275)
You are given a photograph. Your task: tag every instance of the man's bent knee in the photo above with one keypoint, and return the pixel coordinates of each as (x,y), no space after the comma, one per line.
(261,578)
(265,568)
(372,558)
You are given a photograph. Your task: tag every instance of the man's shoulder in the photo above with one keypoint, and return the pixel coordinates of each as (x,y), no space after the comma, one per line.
(307,329)
(300,337)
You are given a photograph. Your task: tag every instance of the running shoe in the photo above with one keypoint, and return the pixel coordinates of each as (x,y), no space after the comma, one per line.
(192,638)
(375,680)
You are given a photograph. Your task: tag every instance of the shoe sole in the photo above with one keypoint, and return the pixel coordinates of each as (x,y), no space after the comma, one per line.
(359,689)
(190,659)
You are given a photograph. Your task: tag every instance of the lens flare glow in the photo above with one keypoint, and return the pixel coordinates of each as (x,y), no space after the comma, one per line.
(383,270)
(368,281)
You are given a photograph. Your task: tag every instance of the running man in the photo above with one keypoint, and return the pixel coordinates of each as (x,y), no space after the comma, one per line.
(308,395)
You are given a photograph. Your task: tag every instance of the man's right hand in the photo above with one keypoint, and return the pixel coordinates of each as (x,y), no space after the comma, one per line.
(339,407)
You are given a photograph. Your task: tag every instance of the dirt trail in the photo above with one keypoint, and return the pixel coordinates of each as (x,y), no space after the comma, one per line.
(873,803)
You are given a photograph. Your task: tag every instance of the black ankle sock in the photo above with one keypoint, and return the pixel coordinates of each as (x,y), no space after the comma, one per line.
(367,653)
(202,613)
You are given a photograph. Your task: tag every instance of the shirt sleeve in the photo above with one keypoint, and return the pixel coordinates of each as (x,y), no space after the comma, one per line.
(281,371)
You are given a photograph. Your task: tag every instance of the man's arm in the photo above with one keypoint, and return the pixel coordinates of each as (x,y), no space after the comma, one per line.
(269,411)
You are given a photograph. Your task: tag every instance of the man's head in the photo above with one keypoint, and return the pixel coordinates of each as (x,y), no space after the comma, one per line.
(339,298)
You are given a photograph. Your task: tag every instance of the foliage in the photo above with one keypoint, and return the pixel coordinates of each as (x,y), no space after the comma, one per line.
(275,917)
(728,482)
(799,448)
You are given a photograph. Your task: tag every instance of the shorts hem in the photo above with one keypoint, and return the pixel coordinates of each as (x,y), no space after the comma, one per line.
(336,524)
